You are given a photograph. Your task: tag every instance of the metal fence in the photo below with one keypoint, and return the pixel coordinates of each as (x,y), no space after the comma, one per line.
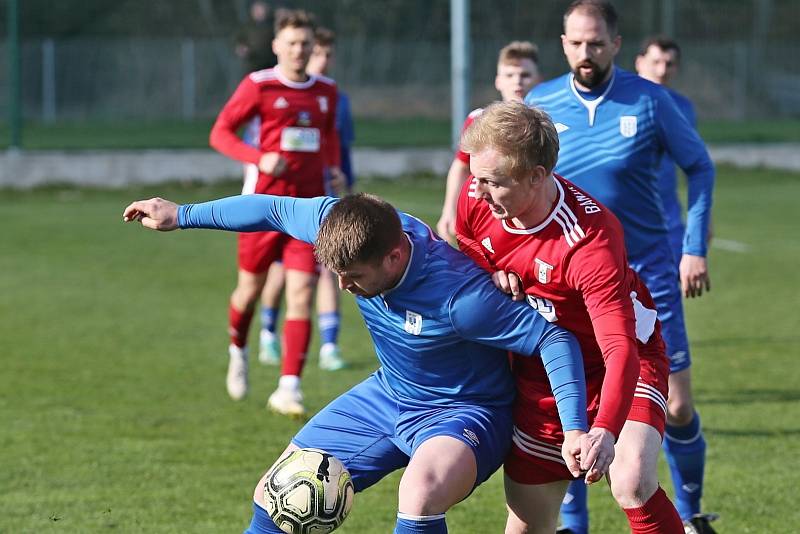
(737,60)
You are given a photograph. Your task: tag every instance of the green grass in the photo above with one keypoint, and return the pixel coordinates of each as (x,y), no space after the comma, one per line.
(113,409)
(370,132)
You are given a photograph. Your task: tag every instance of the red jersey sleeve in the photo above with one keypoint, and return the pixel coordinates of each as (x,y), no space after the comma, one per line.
(598,269)
(241,106)
(465,237)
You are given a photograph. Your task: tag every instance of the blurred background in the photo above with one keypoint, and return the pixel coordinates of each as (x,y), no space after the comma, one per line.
(107,60)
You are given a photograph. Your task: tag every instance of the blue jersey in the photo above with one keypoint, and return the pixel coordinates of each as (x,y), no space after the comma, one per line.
(347,135)
(442,333)
(667,175)
(611,145)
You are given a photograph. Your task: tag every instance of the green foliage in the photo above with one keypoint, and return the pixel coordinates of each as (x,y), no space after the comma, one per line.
(113,404)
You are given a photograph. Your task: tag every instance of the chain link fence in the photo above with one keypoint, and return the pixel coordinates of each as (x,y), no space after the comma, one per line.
(393,56)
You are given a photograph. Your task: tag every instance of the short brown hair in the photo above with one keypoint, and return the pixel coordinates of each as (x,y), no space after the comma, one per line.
(294,18)
(518,50)
(603,8)
(324,37)
(360,228)
(662,42)
(525,136)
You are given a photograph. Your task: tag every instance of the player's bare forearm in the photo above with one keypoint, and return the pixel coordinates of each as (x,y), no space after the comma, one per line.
(155,213)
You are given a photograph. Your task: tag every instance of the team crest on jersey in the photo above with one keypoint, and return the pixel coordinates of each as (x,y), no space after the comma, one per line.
(413,323)
(561,127)
(627,125)
(488,244)
(304,118)
(543,271)
(323,103)
(280,103)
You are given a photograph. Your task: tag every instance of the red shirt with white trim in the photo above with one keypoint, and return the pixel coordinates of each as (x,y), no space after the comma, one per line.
(298,120)
(575,273)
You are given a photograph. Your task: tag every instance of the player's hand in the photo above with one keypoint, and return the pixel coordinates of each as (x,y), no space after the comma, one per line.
(156,214)
(446,227)
(597,453)
(272,163)
(694,276)
(509,283)
(571,451)
(338,181)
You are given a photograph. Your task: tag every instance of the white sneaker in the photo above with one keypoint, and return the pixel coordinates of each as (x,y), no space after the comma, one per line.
(236,380)
(287,401)
(330,358)
(269,351)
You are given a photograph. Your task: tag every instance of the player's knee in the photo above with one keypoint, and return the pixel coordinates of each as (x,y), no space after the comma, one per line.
(680,410)
(632,488)
(423,494)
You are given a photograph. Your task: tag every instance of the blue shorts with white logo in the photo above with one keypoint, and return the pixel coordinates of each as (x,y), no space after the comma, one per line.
(659,272)
(373,433)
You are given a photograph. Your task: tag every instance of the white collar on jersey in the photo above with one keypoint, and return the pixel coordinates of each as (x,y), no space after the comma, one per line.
(591,105)
(293,85)
(540,226)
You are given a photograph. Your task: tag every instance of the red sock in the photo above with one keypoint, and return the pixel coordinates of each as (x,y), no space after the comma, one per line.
(239,325)
(296,337)
(657,516)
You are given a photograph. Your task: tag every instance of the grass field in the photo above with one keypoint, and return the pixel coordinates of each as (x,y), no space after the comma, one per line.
(113,408)
(380,133)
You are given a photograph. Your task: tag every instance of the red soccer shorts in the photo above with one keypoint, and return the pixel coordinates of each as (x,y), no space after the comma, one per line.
(257,251)
(535,456)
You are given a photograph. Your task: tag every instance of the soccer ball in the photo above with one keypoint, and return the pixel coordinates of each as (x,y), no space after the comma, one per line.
(308,491)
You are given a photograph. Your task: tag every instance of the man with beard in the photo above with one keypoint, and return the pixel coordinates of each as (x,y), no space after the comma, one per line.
(614,127)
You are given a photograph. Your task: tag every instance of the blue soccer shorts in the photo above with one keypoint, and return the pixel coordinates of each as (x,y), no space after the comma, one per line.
(374,434)
(658,271)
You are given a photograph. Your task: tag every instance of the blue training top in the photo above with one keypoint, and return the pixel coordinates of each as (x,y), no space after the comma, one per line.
(442,333)
(667,175)
(612,140)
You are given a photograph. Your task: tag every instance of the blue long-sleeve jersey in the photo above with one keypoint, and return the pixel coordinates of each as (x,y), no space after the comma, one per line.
(611,145)
(667,175)
(441,333)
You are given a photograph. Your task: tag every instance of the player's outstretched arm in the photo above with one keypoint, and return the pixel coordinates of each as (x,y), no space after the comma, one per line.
(156,214)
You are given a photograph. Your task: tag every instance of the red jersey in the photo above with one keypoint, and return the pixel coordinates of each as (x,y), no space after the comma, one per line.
(460,154)
(575,272)
(298,120)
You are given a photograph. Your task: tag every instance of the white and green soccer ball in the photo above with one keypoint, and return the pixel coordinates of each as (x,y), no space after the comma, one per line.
(308,491)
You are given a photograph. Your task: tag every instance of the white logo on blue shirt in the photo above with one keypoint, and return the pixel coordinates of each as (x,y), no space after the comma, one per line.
(561,127)
(413,323)
(627,125)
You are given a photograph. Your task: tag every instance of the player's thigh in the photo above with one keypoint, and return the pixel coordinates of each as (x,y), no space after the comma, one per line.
(257,250)
(248,287)
(442,471)
(273,287)
(258,494)
(301,278)
(660,275)
(533,508)
(327,292)
(633,474)
(357,428)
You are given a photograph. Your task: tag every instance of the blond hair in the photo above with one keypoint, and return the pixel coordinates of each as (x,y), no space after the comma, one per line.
(360,228)
(524,136)
(516,51)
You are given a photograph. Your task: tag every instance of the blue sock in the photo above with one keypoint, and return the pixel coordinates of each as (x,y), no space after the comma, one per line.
(685,449)
(328,327)
(262,523)
(574,509)
(426,524)
(269,317)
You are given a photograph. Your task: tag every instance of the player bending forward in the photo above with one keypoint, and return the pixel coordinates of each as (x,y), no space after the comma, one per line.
(440,403)
(540,234)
